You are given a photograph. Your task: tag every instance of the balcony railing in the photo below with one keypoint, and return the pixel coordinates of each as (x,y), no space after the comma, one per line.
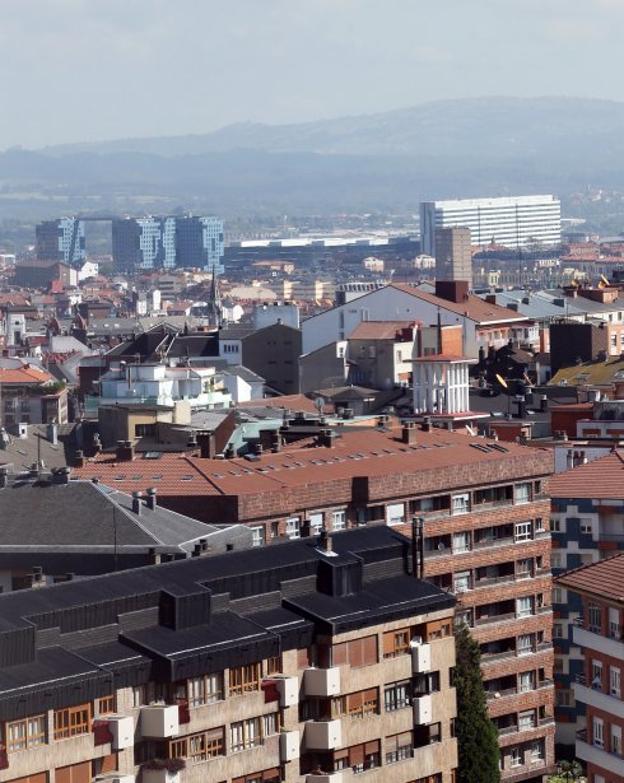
(518,691)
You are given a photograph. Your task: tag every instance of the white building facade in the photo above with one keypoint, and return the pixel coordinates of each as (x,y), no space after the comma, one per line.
(440,385)
(515,222)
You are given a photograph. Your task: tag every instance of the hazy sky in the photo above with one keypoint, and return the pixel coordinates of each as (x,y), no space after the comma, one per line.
(79,70)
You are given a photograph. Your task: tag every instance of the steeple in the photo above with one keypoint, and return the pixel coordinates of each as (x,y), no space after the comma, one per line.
(214,300)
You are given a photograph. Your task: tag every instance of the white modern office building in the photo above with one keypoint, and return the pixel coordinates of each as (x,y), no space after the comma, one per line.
(515,221)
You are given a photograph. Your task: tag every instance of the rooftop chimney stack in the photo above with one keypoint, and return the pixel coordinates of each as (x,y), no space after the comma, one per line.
(125,451)
(151,498)
(136,502)
(325,541)
(4,477)
(408,433)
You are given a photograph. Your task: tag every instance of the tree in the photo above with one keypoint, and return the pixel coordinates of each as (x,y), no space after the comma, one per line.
(567,772)
(477,738)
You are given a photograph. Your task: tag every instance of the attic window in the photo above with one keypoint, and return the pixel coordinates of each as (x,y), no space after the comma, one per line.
(152,455)
(157,477)
(186,478)
(121,477)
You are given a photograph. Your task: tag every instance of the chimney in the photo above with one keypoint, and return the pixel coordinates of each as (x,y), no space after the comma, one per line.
(4,477)
(490,298)
(79,460)
(452,290)
(136,503)
(207,444)
(230,452)
(408,433)
(325,541)
(62,476)
(151,498)
(276,441)
(426,424)
(543,403)
(97,443)
(257,449)
(125,451)
(52,432)
(326,438)
(154,557)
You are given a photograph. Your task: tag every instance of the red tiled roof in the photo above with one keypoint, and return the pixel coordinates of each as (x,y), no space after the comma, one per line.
(473,307)
(601,478)
(288,402)
(379,330)
(358,452)
(604,579)
(24,375)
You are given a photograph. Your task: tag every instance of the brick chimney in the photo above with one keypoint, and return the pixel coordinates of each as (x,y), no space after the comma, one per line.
(408,433)
(452,290)
(125,451)
(150,500)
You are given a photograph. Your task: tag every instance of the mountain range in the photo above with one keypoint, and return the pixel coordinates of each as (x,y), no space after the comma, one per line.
(383,161)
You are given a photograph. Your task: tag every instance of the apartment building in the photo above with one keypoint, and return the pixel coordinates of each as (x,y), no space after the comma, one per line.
(597,633)
(587,516)
(310,662)
(486,536)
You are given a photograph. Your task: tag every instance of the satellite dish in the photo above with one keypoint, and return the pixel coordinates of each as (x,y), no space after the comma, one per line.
(319,404)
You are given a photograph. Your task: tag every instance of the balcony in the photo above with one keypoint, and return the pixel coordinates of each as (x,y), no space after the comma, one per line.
(593,754)
(159,776)
(421,657)
(324,777)
(284,690)
(160,721)
(489,542)
(322,682)
(501,694)
(323,735)
(289,746)
(423,709)
(594,697)
(121,728)
(495,618)
(115,777)
(587,638)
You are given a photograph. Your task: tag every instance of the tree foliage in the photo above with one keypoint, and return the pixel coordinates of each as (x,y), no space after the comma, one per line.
(477,737)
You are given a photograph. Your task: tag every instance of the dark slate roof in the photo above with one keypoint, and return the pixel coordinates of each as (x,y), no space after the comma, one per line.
(45,514)
(22,453)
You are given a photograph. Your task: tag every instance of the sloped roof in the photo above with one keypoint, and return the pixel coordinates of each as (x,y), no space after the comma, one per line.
(602,478)
(594,373)
(604,579)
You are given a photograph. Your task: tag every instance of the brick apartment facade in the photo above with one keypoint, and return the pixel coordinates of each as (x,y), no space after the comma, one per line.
(251,667)
(597,686)
(486,537)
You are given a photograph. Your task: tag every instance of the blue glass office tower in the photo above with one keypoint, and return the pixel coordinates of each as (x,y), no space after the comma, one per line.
(199,243)
(61,240)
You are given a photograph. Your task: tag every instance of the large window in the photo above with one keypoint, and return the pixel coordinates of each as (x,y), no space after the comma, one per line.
(199,747)
(615,628)
(250,733)
(461,542)
(27,733)
(525,644)
(523,493)
(398,747)
(594,617)
(524,606)
(244,679)
(523,531)
(205,690)
(396,642)
(359,757)
(293,527)
(615,681)
(397,695)
(358,705)
(258,535)
(316,523)
(461,582)
(358,652)
(527,720)
(460,504)
(598,732)
(71,721)
(339,520)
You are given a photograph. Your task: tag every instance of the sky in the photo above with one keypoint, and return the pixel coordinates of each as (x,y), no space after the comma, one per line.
(86,70)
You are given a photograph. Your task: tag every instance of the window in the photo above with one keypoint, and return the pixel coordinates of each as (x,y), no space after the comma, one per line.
(461,542)
(463,617)
(245,679)
(527,720)
(293,527)
(139,695)
(555,525)
(616,739)
(316,523)
(615,681)
(339,520)
(586,525)
(596,674)
(397,696)
(527,681)
(358,652)
(358,705)
(563,697)
(71,721)
(598,732)
(246,734)
(594,618)
(270,724)
(398,747)
(105,705)
(536,751)
(199,747)
(274,665)
(515,757)
(267,776)
(258,535)
(524,568)
(460,504)
(525,644)
(558,595)
(523,493)
(524,606)
(523,531)
(557,630)
(396,642)
(461,582)
(557,559)
(27,733)
(205,690)
(395,514)
(615,629)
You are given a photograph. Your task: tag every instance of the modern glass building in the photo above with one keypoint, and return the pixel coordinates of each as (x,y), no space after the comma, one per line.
(61,240)
(515,221)
(167,242)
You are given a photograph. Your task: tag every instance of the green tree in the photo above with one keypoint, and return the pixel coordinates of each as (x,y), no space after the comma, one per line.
(477,738)
(567,772)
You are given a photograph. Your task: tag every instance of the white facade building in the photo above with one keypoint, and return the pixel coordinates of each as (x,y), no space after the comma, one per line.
(515,221)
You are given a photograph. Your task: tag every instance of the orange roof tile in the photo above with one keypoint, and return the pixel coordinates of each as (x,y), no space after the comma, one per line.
(379,330)
(601,478)
(24,375)
(604,579)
